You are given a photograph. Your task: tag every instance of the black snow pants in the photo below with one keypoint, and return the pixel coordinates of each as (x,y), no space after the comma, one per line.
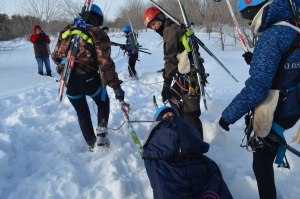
(79,86)
(189,109)
(263,163)
(131,64)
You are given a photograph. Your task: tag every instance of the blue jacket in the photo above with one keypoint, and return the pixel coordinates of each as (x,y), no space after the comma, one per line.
(130,43)
(168,178)
(273,42)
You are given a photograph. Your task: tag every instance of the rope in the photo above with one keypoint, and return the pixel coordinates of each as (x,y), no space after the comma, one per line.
(176,93)
(118,54)
(194,90)
(108,127)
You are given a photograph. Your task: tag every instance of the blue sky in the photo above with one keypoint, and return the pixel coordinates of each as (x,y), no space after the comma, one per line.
(10,7)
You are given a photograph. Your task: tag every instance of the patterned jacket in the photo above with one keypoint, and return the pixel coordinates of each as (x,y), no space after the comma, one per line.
(273,42)
(86,61)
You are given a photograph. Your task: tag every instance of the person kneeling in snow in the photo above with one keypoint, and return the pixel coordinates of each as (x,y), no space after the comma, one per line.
(174,160)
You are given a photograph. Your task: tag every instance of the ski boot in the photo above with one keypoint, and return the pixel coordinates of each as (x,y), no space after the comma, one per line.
(49,73)
(101,132)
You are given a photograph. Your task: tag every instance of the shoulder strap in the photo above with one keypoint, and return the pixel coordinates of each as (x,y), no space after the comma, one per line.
(291,24)
(292,49)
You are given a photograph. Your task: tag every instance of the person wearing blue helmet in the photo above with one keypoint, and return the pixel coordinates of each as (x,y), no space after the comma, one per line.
(105,29)
(272,90)
(86,79)
(131,49)
(164,112)
(175,161)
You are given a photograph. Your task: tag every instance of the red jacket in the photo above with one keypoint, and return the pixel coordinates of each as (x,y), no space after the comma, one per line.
(35,37)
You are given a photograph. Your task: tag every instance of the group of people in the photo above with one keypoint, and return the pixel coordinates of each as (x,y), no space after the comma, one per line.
(266,82)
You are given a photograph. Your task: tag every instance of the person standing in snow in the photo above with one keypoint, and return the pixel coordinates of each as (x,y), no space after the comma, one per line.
(94,52)
(105,29)
(172,33)
(175,161)
(131,49)
(41,43)
(273,87)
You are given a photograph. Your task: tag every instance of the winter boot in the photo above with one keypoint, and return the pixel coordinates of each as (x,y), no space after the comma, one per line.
(41,73)
(101,132)
(49,73)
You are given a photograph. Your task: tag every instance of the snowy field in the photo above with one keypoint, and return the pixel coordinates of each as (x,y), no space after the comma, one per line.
(44,155)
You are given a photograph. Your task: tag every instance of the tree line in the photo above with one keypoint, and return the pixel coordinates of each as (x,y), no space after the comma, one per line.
(54,15)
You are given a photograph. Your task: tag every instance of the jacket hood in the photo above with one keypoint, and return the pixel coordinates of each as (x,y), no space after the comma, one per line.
(36,26)
(168,136)
(277,11)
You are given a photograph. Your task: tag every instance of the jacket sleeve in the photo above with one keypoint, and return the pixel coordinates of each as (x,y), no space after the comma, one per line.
(34,38)
(103,49)
(47,39)
(266,58)
(171,36)
(131,43)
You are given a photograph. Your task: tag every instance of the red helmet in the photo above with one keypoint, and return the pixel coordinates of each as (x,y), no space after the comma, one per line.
(150,15)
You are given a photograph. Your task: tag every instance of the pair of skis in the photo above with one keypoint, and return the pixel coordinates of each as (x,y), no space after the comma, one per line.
(193,40)
(69,64)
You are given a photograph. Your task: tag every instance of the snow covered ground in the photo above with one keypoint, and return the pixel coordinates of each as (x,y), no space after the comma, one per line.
(43,153)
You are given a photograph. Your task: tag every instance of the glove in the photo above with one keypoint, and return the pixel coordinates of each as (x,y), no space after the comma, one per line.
(42,33)
(119,93)
(166,92)
(224,124)
(248,57)
(123,47)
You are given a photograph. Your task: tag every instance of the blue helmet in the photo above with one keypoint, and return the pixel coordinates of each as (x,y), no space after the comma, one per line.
(105,27)
(159,113)
(242,4)
(97,12)
(127,29)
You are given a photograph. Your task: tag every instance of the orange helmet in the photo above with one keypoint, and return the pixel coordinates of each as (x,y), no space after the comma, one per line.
(150,14)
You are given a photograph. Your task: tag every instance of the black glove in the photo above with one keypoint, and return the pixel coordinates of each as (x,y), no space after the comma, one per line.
(166,92)
(123,47)
(248,57)
(42,33)
(119,93)
(224,124)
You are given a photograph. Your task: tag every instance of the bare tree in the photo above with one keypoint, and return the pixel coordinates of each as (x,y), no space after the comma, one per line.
(208,13)
(46,10)
(133,11)
(221,26)
(71,9)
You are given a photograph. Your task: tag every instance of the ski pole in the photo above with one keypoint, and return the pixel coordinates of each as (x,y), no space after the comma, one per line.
(213,56)
(237,26)
(145,52)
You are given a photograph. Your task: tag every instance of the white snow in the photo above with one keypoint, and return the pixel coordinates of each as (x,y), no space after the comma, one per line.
(44,155)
